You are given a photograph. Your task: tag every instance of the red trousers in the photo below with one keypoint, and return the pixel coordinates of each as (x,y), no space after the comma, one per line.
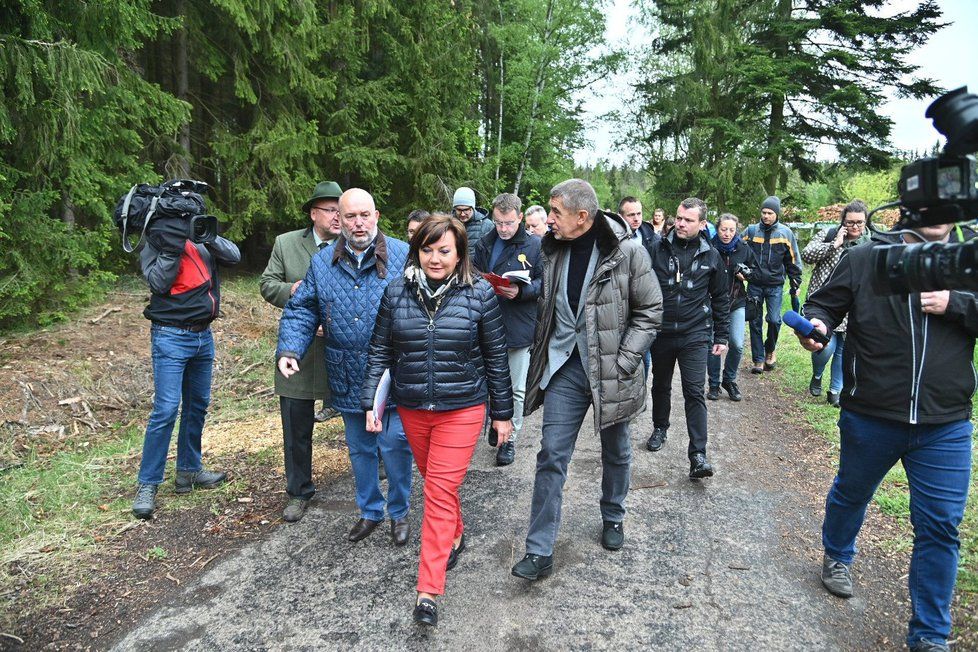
(442,443)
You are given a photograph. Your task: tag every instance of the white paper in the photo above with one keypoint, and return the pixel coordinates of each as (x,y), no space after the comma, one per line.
(380,396)
(519,275)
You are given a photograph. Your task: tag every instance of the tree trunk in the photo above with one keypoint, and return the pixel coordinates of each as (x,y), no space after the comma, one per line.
(775,136)
(68,217)
(182,163)
(502,93)
(537,92)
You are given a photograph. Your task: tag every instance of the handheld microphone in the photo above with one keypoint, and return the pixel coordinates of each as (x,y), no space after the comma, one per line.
(804,327)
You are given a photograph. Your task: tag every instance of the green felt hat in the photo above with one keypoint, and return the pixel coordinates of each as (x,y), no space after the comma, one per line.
(324,190)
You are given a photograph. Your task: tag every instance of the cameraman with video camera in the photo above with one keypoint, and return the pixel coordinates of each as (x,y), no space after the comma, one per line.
(906,396)
(182,275)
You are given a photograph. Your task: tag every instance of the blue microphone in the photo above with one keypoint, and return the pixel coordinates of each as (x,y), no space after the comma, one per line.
(804,327)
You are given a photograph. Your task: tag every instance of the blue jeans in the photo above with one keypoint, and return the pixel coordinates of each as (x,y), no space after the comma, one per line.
(182,364)
(735,350)
(833,350)
(771,305)
(398,462)
(565,405)
(937,459)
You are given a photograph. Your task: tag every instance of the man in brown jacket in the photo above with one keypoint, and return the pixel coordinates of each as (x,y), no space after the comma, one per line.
(599,311)
(291,255)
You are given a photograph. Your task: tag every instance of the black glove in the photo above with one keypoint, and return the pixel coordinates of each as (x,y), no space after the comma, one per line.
(169,235)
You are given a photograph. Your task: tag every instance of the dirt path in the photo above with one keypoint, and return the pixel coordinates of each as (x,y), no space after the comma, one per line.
(727,564)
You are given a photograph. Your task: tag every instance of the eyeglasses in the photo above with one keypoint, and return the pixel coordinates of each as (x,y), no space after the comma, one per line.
(854,222)
(329,211)
(463,209)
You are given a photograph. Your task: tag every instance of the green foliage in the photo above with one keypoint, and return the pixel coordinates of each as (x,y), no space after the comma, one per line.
(736,95)
(262,100)
(874,188)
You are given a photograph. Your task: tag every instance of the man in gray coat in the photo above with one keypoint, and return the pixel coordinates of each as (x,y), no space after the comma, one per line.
(599,311)
(291,255)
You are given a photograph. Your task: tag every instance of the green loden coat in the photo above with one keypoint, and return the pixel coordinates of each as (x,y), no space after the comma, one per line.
(291,255)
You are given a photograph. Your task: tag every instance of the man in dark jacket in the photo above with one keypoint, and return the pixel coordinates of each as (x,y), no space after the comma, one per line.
(776,250)
(476,220)
(694,289)
(342,292)
(283,275)
(599,310)
(185,299)
(906,396)
(509,248)
(630,209)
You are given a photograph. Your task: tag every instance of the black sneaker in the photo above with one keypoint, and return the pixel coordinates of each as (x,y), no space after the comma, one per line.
(714,393)
(534,567)
(732,390)
(923,645)
(188,480)
(699,467)
(815,386)
(506,453)
(657,439)
(145,502)
(613,535)
(832,398)
(426,612)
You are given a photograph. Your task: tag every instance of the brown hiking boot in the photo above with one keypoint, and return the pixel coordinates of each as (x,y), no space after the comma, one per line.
(770,361)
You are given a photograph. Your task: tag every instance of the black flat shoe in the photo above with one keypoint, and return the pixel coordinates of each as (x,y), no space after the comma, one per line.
(426,612)
(453,555)
(699,468)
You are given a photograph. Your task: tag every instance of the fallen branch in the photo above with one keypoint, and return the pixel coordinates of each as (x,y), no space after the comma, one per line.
(106,314)
(11,636)
(212,558)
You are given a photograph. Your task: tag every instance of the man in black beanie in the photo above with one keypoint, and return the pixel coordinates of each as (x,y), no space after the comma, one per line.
(777,254)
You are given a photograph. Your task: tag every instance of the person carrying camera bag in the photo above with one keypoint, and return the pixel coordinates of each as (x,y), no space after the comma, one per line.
(906,396)
(186,298)
(738,259)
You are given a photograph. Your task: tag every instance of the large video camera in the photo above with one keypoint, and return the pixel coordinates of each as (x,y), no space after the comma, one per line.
(935,191)
(175,207)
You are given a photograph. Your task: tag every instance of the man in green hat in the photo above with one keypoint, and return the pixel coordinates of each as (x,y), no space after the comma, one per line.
(291,255)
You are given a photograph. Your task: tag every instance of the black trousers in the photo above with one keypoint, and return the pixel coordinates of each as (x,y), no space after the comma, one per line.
(297,422)
(690,351)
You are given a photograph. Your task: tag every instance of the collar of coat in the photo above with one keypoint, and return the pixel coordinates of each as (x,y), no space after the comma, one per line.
(610,230)
(489,239)
(380,252)
(702,246)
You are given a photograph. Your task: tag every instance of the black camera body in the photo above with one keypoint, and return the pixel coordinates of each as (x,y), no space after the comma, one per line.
(936,190)
(177,204)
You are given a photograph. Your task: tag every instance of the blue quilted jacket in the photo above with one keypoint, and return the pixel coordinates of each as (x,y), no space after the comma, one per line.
(344,297)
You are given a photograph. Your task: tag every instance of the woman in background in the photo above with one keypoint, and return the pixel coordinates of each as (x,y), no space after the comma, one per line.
(739,259)
(824,252)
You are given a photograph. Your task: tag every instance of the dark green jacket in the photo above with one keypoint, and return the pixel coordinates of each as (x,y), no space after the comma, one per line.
(291,255)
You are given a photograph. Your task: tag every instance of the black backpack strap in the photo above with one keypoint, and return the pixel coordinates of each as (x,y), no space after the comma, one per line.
(129,248)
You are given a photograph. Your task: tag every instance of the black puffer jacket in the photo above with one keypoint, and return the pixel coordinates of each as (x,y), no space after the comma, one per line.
(455,360)
(695,293)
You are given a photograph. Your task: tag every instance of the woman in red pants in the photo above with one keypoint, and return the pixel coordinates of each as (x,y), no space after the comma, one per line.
(440,333)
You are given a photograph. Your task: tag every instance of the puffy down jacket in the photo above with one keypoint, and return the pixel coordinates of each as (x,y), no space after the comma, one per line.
(342,295)
(454,360)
